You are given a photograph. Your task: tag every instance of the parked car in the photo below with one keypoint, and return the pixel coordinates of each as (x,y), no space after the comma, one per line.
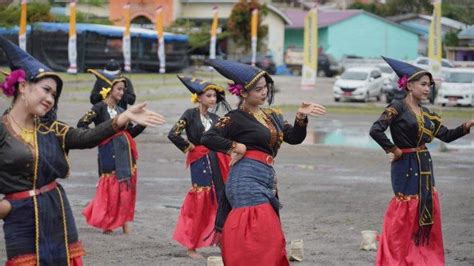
(457,88)
(327,65)
(426,62)
(387,71)
(359,83)
(392,91)
(264,62)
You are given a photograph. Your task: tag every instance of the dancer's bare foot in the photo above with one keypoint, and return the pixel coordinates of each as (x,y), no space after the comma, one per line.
(107,232)
(126,229)
(194,255)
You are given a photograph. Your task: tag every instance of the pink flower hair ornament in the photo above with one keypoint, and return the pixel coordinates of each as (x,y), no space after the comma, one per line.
(402,82)
(235,89)
(8,85)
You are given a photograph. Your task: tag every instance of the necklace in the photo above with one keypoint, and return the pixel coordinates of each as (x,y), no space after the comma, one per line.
(26,134)
(23,129)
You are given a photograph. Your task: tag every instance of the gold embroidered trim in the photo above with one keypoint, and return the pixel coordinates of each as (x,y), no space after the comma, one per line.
(214,87)
(179,127)
(197,188)
(97,74)
(389,113)
(402,197)
(416,73)
(255,79)
(223,122)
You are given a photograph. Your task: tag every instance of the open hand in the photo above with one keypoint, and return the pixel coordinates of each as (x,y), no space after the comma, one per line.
(311,109)
(138,114)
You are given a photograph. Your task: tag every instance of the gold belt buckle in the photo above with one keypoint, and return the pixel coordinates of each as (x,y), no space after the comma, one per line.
(32,192)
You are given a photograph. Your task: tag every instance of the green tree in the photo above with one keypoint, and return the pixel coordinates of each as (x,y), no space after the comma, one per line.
(199,34)
(451,39)
(398,7)
(463,13)
(238,23)
(36,12)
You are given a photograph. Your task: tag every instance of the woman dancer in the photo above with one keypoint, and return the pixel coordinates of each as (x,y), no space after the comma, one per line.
(39,227)
(113,205)
(208,168)
(248,212)
(411,233)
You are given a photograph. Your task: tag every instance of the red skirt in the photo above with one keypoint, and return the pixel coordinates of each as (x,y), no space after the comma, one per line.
(253,236)
(76,251)
(196,218)
(113,204)
(396,246)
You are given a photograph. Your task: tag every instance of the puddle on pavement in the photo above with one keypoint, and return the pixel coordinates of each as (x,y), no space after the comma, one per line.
(360,139)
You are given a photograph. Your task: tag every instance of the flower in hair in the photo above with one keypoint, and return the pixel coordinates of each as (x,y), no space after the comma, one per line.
(8,85)
(402,82)
(235,89)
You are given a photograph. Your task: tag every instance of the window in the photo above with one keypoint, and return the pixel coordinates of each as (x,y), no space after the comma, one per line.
(375,74)
(423,62)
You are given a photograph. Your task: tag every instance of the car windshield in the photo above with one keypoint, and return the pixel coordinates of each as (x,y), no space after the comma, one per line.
(355,75)
(460,77)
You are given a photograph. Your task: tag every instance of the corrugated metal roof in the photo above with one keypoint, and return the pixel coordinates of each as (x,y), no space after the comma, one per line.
(468,33)
(325,18)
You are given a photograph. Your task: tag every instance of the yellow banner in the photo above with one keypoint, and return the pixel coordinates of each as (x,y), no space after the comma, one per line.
(23,18)
(72,44)
(310,55)
(159,21)
(215,22)
(435,34)
(161,39)
(22,33)
(72,19)
(254,23)
(127,20)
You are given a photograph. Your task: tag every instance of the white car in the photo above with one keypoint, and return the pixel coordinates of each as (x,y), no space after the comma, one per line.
(425,63)
(359,83)
(457,88)
(387,72)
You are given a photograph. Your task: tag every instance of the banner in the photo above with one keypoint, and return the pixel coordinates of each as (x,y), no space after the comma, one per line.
(72,44)
(127,42)
(215,22)
(22,33)
(161,39)
(254,27)
(434,40)
(310,54)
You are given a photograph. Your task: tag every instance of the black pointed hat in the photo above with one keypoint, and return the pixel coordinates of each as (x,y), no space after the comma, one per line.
(243,74)
(107,80)
(405,70)
(199,86)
